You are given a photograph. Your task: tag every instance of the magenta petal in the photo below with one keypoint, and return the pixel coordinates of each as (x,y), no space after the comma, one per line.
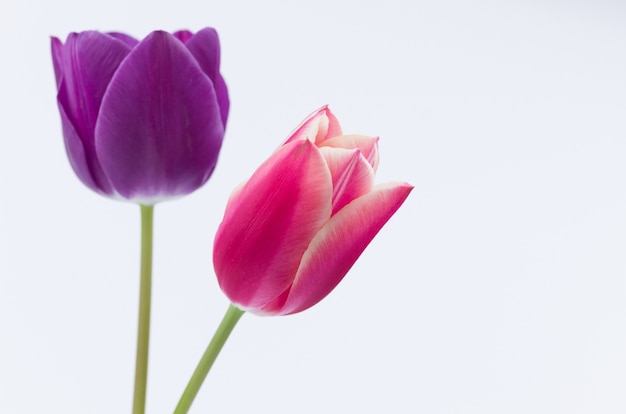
(269,223)
(310,127)
(159,130)
(339,244)
(205,47)
(333,128)
(317,127)
(352,175)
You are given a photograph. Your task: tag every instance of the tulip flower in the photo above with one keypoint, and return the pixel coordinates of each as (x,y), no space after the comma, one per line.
(295,228)
(142,120)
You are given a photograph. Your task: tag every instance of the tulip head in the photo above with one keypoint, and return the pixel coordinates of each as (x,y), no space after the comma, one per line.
(142,120)
(295,228)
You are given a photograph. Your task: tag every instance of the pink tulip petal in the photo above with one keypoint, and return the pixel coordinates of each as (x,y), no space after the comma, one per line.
(334,129)
(84,66)
(317,127)
(274,306)
(269,224)
(205,47)
(340,242)
(159,130)
(352,175)
(308,128)
(367,145)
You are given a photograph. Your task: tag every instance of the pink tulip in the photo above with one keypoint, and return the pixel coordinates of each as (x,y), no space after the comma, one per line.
(296,227)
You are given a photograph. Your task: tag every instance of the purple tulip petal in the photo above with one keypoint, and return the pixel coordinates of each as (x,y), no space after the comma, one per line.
(159,131)
(352,175)
(269,223)
(339,244)
(86,64)
(129,40)
(222,97)
(205,47)
(76,154)
(183,35)
(56,47)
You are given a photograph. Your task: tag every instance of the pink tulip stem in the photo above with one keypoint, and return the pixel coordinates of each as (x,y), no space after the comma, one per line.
(143,331)
(204,366)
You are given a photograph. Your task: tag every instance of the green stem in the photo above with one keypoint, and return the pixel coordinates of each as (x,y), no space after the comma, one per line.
(215,346)
(143,331)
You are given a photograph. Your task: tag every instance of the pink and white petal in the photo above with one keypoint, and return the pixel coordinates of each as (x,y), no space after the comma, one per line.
(339,244)
(308,129)
(334,129)
(159,130)
(269,223)
(315,127)
(352,175)
(367,145)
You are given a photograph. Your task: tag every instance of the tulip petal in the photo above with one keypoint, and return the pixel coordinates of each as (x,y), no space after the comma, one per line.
(340,242)
(76,154)
(159,130)
(129,40)
(56,47)
(269,223)
(352,175)
(86,64)
(367,145)
(317,127)
(205,47)
(89,61)
(333,128)
(183,35)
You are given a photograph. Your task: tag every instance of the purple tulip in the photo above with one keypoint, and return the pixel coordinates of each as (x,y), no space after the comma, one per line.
(142,120)
(294,229)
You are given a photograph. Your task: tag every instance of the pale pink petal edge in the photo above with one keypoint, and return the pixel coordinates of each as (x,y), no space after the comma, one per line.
(339,244)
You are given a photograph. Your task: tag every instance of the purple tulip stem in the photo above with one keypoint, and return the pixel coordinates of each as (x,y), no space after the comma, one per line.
(143,331)
(206,362)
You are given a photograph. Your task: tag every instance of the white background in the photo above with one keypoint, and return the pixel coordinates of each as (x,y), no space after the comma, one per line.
(499,287)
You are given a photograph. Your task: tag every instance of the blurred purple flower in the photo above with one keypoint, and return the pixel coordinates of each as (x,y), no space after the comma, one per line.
(142,120)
